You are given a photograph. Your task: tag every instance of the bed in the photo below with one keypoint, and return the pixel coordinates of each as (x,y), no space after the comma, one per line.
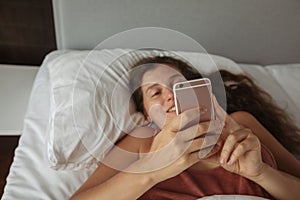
(265,46)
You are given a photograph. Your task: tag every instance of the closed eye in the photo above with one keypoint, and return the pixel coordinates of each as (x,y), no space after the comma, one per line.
(155,94)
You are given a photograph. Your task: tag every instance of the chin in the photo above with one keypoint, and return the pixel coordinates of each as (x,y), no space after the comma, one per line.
(170,116)
(166,118)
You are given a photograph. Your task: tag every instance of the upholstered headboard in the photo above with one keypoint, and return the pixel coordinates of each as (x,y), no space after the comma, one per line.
(256,31)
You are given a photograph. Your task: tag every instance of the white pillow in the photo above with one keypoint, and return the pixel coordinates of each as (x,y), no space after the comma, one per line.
(281,82)
(84,122)
(288,78)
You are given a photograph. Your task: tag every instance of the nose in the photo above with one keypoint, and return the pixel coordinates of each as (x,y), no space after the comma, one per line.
(169,96)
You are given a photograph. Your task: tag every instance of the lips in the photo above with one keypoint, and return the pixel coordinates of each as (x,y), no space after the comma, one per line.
(172,109)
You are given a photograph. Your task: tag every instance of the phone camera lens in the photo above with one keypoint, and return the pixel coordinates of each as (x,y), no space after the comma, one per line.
(181,85)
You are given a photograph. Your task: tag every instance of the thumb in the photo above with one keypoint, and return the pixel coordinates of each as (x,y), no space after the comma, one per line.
(220,112)
(187,118)
(224,117)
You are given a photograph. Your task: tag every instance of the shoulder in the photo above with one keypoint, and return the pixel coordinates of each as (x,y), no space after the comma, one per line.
(244,118)
(143,132)
(139,140)
(247,120)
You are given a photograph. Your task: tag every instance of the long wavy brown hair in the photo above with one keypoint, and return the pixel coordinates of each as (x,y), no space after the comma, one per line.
(242,94)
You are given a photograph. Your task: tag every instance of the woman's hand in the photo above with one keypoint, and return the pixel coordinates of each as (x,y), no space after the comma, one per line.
(176,147)
(241,152)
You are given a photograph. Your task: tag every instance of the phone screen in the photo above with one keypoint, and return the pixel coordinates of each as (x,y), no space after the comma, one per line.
(192,94)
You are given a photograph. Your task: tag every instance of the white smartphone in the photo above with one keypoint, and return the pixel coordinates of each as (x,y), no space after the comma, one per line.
(192,94)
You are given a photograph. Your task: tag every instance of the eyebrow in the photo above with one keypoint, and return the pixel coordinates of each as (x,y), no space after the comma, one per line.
(175,76)
(150,87)
(156,84)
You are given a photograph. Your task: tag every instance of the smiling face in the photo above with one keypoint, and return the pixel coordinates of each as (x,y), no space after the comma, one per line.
(158,99)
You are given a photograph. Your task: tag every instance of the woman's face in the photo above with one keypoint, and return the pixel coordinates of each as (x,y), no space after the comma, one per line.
(158,99)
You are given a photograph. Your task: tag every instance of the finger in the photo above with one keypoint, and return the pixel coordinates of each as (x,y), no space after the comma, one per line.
(204,148)
(201,130)
(224,117)
(186,118)
(195,140)
(208,145)
(250,143)
(220,112)
(232,124)
(217,147)
(195,131)
(186,138)
(230,144)
(193,157)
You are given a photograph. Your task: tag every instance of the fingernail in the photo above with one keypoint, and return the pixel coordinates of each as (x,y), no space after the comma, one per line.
(222,160)
(230,162)
(203,110)
(203,153)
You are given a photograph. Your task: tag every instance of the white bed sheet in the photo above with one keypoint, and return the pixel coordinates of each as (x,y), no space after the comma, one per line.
(31,178)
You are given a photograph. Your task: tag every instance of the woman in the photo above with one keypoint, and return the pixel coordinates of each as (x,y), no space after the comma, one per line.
(247,158)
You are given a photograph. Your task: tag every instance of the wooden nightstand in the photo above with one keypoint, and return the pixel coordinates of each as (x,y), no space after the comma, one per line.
(15,88)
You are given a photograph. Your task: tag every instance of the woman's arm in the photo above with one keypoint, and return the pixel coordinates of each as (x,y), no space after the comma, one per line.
(121,186)
(279,184)
(167,154)
(108,172)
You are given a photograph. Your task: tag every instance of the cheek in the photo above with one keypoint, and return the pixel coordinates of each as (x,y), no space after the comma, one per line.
(157,115)
(149,105)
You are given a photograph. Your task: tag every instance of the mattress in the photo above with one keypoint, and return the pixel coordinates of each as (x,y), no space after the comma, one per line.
(31,178)
(13,104)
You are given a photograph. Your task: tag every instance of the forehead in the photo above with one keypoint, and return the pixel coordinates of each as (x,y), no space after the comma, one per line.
(159,74)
